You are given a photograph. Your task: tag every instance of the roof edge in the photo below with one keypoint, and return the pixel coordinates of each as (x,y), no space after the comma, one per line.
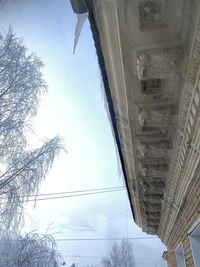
(97,42)
(79,6)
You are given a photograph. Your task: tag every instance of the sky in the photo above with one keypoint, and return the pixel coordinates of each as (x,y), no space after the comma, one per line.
(74,108)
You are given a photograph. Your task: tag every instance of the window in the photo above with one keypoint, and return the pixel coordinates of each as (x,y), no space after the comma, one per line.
(195,243)
(151,86)
(180,259)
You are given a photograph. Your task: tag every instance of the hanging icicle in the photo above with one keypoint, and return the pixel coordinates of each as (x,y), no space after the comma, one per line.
(81,18)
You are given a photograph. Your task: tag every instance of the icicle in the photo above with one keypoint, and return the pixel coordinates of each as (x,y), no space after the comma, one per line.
(81,18)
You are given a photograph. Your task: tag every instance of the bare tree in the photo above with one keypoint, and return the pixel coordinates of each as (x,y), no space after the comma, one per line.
(21,85)
(127,257)
(120,255)
(106,262)
(22,178)
(30,250)
(21,170)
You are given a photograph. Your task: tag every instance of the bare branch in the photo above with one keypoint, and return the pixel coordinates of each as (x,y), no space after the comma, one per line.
(21,170)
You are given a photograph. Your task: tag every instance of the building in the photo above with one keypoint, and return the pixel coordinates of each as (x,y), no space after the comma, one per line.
(149,55)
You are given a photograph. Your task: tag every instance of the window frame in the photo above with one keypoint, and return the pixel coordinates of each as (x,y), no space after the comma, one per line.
(180,247)
(194,227)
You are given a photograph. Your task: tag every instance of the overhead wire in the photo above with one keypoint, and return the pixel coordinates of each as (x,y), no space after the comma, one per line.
(99,257)
(96,239)
(76,191)
(80,191)
(103,239)
(67,196)
(111,215)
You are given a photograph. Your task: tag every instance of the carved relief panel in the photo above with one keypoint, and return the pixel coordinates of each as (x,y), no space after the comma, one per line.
(159,169)
(152,215)
(157,165)
(153,221)
(148,150)
(157,141)
(151,206)
(161,63)
(151,14)
(157,117)
(152,186)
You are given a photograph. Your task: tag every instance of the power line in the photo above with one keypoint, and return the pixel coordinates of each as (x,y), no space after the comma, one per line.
(111,215)
(95,257)
(98,257)
(76,195)
(78,191)
(81,256)
(96,239)
(72,192)
(68,196)
(102,239)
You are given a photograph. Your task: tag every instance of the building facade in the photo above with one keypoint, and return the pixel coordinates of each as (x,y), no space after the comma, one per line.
(149,55)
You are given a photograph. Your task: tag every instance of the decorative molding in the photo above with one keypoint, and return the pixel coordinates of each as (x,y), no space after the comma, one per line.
(146,150)
(152,183)
(158,140)
(194,62)
(160,63)
(153,148)
(184,111)
(156,169)
(151,14)
(180,171)
(151,87)
(155,64)
(151,206)
(152,215)
(156,117)
(152,186)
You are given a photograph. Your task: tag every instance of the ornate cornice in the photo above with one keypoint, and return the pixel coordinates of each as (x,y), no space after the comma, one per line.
(188,108)
(194,61)
(145,133)
(181,171)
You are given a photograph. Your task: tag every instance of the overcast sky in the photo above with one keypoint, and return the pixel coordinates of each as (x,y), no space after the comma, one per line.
(74,108)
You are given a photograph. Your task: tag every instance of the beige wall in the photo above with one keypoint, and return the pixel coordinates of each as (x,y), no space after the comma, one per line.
(189,215)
